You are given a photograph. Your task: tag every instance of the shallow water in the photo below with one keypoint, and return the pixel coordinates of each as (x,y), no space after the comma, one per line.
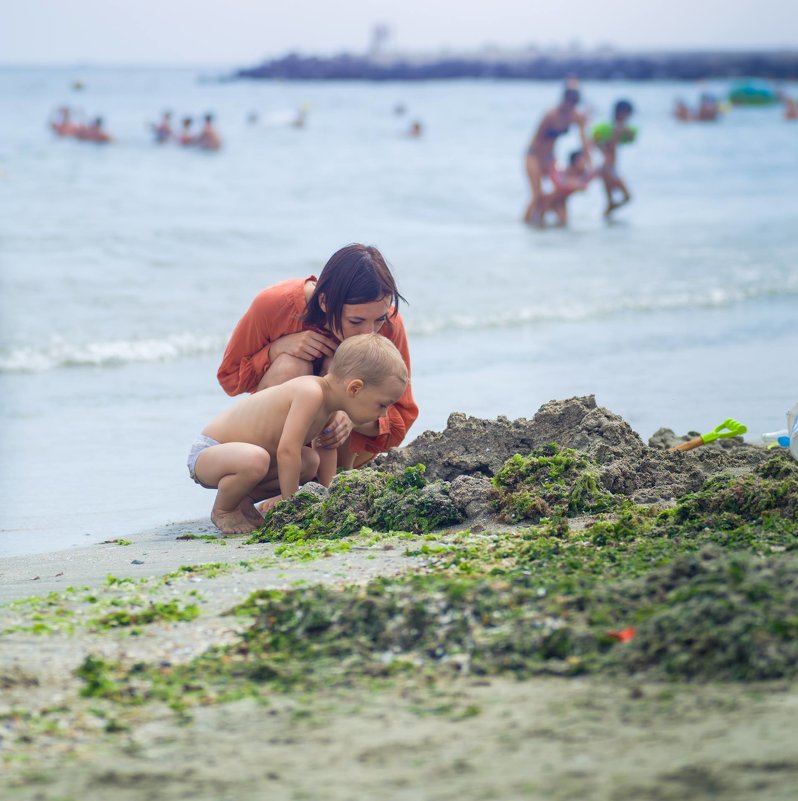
(123,270)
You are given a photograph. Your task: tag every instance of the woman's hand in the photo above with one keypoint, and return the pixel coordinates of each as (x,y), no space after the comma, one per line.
(307,345)
(336,432)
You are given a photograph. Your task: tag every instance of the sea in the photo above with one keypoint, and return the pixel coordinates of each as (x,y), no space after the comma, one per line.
(125,267)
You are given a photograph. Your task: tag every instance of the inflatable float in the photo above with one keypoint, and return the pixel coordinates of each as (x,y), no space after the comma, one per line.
(602,132)
(753,93)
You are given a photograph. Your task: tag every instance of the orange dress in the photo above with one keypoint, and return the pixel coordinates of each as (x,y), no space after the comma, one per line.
(278,311)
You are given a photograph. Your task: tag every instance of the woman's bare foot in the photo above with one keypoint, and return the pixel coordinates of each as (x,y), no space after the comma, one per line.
(232,522)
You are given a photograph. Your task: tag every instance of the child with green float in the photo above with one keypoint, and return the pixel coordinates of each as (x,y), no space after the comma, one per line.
(607,137)
(263,446)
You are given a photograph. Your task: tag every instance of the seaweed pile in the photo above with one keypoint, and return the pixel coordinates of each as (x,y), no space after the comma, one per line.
(402,502)
(567,572)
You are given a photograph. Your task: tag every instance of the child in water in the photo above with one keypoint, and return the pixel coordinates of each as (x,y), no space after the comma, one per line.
(186,138)
(619,133)
(259,447)
(574,178)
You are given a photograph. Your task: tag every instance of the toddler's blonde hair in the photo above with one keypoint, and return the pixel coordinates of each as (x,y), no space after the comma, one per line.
(372,358)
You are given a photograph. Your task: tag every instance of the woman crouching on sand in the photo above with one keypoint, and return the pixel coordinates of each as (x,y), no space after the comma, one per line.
(293,328)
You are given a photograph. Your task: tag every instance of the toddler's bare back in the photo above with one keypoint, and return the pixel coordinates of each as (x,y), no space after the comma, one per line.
(259,418)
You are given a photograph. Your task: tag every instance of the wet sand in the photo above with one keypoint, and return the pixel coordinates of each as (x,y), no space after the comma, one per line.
(430,734)
(545,738)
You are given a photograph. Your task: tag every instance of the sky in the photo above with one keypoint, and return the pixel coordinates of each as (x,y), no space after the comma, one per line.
(245,32)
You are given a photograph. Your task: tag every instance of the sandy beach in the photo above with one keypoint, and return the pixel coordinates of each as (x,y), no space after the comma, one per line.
(125,675)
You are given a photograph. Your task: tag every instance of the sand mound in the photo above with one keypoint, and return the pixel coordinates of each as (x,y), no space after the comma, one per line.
(573,457)
(471,446)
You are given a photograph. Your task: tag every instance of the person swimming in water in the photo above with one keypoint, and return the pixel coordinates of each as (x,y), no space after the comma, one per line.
(186,138)
(208,138)
(708,108)
(62,125)
(94,132)
(540,154)
(163,129)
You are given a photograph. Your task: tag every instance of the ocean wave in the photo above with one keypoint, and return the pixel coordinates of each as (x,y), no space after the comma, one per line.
(61,353)
(574,311)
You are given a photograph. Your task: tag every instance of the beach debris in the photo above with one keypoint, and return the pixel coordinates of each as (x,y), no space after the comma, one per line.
(622,635)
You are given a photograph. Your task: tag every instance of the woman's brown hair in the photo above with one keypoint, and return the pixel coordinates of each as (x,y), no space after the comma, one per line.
(354,274)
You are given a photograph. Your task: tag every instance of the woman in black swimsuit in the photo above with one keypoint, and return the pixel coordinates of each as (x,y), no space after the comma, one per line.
(540,155)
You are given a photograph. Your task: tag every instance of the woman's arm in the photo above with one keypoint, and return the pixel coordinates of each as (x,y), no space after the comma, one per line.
(272,315)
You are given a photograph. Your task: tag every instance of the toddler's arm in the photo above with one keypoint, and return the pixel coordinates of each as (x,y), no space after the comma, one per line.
(305,406)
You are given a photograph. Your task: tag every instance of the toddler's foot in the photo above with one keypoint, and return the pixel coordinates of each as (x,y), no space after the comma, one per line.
(247,508)
(232,522)
(268,504)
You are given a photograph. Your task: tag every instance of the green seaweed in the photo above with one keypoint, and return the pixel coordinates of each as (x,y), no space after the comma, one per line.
(709,589)
(549,482)
(361,499)
(168,611)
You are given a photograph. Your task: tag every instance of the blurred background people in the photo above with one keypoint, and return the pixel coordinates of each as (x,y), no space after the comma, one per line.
(94,132)
(607,141)
(162,131)
(208,138)
(186,137)
(540,155)
(62,124)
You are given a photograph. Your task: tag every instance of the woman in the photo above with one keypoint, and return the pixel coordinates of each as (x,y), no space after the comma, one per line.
(540,155)
(293,327)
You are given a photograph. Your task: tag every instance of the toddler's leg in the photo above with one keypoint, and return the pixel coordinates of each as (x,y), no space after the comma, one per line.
(235,468)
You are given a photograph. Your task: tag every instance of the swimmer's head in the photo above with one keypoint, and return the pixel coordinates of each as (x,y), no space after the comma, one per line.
(187,122)
(208,119)
(623,110)
(571,97)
